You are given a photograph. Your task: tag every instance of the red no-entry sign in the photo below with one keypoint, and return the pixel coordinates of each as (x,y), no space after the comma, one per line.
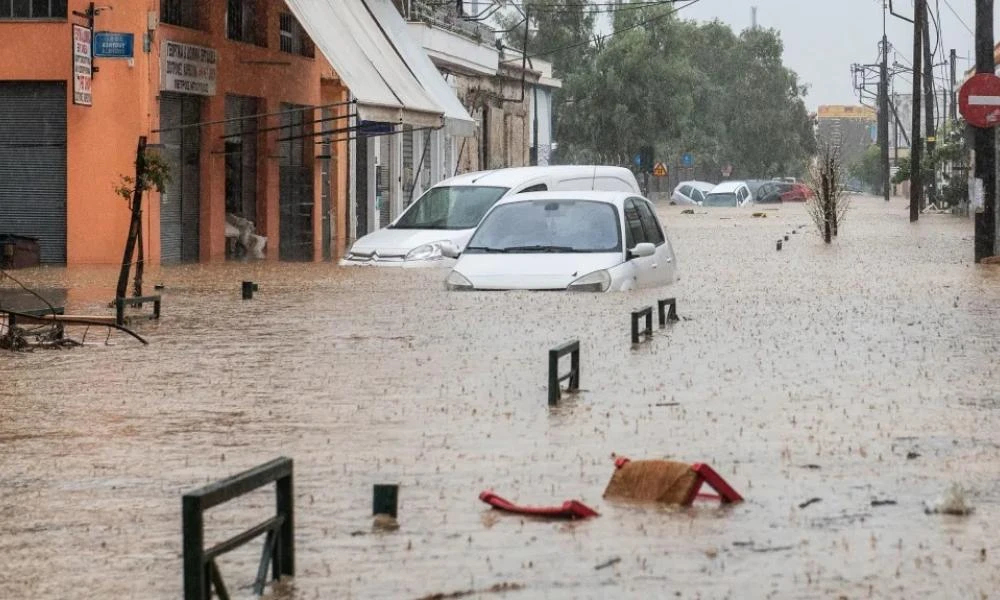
(979,100)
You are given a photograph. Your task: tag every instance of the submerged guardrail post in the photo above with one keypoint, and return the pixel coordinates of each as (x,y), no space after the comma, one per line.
(664,314)
(555,380)
(201,572)
(647,331)
(385,499)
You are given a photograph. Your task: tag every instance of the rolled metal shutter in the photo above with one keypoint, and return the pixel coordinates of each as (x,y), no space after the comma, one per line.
(170,199)
(33,164)
(191,187)
(180,204)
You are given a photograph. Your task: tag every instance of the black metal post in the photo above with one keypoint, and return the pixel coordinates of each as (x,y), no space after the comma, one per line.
(643,313)
(953,112)
(385,499)
(929,108)
(664,314)
(883,116)
(573,349)
(196,583)
(248,288)
(916,182)
(284,556)
(985,140)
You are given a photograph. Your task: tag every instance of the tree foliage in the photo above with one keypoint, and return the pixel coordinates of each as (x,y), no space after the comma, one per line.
(867,167)
(678,85)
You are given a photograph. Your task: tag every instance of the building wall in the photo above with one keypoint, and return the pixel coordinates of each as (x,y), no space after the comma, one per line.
(102,138)
(504,116)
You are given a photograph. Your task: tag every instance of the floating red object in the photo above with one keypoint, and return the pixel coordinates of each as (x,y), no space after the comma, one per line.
(570,509)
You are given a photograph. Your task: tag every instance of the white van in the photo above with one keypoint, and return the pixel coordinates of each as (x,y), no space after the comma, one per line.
(446,215)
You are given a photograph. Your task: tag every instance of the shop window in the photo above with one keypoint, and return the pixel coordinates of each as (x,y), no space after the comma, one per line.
(32,9)
(183,13)
(293,38)
(241,22)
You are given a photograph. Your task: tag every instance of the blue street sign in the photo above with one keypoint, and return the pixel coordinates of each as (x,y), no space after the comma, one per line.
(637,160)
(108,44)
(687,160)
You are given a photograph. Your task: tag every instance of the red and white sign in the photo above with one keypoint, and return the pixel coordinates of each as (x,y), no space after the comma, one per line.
(979,100)
(82,65)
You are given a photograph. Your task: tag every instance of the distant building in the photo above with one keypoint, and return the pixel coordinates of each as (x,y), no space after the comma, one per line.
(848,130)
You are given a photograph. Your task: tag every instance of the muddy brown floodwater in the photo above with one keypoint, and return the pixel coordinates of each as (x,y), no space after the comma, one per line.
(813,372)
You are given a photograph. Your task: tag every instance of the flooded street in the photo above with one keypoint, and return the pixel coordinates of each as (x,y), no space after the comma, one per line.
(864,370)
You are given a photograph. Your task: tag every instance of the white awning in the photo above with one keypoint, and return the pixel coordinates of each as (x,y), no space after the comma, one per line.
(350,37)
(457,119)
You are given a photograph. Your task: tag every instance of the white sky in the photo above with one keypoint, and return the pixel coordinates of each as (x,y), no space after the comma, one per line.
(823,38)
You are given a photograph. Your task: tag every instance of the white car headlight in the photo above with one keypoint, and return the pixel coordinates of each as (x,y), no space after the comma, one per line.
(598,281)
(457,281)
(426,252)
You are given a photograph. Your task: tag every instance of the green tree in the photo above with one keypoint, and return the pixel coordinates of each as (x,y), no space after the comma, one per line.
(868,168)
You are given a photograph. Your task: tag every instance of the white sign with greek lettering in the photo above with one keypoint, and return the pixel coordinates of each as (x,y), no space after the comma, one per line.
(188,69)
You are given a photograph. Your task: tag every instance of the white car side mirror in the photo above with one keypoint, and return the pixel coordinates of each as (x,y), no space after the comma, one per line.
(643,249)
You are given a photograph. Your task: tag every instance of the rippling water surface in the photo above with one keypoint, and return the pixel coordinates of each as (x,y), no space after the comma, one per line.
(810,372)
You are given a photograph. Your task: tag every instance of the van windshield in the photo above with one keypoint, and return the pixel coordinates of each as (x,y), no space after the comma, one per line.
(450,207)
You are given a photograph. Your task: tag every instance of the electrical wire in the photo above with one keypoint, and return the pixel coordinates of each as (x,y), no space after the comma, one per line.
(655,19)
(964,24)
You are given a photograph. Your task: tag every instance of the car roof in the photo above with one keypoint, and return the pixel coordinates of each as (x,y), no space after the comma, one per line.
(616,198)
(701,185)
(727,187)
(516,175)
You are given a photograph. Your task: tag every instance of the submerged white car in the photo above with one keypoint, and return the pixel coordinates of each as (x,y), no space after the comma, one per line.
(729,193)
(442,220)
(691,192)
(577,241)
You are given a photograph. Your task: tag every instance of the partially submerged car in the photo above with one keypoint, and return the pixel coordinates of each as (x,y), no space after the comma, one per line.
(691,192)
(445,216)
(729,193)
(576,241)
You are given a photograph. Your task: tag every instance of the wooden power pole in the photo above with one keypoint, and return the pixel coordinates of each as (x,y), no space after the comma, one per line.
(916,182)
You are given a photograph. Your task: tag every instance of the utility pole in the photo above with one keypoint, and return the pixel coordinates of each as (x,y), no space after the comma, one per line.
(883,109)
(916,183)
(953,113)
(930,103)
(986,227)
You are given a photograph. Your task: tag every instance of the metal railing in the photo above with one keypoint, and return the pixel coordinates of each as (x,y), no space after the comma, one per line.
(447,18)
(647,331)
(121,303)
(201,573)
(555,379)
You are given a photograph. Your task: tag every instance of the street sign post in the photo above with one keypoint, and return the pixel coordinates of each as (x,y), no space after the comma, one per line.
(979,100)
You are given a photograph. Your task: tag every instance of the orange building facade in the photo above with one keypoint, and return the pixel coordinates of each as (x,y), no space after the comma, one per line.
(229,93)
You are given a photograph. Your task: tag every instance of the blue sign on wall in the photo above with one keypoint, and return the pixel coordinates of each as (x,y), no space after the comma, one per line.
(108,44)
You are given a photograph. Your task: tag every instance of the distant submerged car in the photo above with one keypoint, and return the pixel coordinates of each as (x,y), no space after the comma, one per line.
(729,193)
(691,192)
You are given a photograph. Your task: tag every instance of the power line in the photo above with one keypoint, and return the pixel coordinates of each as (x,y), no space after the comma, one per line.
(651,20)
(964,24)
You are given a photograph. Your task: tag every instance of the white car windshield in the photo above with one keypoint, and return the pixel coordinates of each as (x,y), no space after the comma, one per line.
(549,226)
(454,207)
(720,199)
